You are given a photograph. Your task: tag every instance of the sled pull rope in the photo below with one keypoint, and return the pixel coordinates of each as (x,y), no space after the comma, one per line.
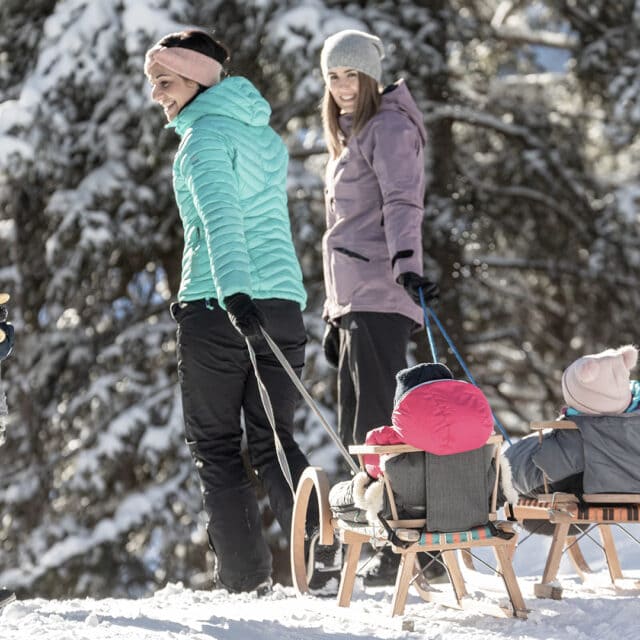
(309,400)
(268,409)
(264,396)
(428,311)
(427,327)
(4,411)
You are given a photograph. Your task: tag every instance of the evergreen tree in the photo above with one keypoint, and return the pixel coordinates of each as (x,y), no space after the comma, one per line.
(530,227)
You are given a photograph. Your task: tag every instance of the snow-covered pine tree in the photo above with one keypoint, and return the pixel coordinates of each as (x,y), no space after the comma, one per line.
(531,226)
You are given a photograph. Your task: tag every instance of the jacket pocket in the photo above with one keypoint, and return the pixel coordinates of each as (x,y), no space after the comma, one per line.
(352,254)
(177,309)
(358,279)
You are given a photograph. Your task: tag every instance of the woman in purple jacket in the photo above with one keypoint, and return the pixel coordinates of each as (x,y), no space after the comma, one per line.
(372,249)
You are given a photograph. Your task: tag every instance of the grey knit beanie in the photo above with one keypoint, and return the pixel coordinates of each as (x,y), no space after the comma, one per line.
(353,49)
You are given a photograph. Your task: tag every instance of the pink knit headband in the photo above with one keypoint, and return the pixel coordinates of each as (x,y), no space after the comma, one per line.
(185,62)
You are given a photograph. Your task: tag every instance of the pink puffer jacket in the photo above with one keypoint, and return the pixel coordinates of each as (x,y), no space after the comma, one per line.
(441,417)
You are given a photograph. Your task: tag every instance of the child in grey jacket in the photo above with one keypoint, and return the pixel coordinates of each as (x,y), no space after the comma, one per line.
(603,402)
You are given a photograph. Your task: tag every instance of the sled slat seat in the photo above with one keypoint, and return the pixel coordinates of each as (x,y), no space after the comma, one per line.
(622,507)
(604,513)
(410,536)
(601,510)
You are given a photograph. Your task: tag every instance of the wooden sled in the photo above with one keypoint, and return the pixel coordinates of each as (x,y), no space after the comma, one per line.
(411,537)
(599,511)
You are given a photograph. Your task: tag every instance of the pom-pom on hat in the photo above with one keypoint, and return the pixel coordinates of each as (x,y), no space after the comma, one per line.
(355,50)
(599,383)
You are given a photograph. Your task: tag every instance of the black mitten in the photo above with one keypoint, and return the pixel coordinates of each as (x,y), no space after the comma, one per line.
(331,345)
(412,284)
(6,328)
(6,339)
(244,314)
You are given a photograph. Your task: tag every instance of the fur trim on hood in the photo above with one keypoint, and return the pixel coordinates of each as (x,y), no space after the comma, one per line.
(506,482)
(368,495)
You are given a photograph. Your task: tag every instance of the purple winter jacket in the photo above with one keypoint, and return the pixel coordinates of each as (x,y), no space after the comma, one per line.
(374,208)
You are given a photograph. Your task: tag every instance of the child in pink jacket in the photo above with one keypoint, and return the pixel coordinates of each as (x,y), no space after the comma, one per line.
(432,412)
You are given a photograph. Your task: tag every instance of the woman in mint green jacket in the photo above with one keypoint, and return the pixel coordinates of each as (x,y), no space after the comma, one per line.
(239,273)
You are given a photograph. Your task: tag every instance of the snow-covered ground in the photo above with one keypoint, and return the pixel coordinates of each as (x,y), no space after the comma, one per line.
(592,610)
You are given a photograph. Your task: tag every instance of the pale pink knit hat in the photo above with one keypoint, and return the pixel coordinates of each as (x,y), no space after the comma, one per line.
(599,383)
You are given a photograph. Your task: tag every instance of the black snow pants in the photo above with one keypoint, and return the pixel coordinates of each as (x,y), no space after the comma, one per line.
(373,348)
(218,384)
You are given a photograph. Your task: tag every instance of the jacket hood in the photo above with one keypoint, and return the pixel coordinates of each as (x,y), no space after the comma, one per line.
(233,98)
(443,417)
(397,97)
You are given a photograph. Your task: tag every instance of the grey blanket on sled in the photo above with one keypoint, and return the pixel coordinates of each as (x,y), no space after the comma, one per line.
(452,492)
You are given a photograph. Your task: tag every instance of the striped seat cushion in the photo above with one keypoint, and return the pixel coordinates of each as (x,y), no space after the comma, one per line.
(482,532)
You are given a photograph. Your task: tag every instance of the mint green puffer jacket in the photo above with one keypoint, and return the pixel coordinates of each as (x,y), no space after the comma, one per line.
(229,178)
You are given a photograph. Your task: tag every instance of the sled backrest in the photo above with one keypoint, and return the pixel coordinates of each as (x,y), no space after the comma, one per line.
(439,493)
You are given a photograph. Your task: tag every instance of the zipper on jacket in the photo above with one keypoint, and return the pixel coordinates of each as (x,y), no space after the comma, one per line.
(351,254)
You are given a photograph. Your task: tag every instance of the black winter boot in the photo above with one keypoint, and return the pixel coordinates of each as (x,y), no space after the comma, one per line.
(6,596)
(382,569)
(324,564)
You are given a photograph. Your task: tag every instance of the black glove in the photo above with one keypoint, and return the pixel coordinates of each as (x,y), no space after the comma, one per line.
(6,339)
(331,345)
(412,284)
(3,309)
(244,314)
(6,328)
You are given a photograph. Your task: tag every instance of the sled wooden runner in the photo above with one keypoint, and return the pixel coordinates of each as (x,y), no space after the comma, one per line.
(601,511)
(411,536)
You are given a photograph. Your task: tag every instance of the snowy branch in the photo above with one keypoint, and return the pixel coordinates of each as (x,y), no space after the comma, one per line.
(133,510)
(469,115)
(519,191)
(523,35)
(550,266)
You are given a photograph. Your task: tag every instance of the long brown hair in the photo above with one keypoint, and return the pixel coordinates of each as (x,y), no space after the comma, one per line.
(367,106)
